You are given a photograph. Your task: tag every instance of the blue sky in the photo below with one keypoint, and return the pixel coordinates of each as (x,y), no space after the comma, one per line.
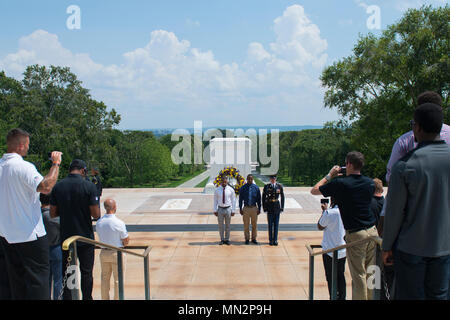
(168,63)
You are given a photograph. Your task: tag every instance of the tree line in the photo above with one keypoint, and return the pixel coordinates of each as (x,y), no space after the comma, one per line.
(374,90)
(60,114)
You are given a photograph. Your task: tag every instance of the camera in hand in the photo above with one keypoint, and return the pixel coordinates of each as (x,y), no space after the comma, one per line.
(324,200)
(50,156)
(343,170)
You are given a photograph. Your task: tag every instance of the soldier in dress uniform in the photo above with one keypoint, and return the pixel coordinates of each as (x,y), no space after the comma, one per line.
(272,206)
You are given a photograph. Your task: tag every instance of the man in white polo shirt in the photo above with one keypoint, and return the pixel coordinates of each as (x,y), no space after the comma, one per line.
(111,230)
(22,231)
(333,236)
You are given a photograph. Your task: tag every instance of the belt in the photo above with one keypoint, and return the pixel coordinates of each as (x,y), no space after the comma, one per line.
(224,207)
(359,229)
(273,200)
(250,206)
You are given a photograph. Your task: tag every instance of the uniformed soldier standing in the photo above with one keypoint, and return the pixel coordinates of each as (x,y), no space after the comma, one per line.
(271,205)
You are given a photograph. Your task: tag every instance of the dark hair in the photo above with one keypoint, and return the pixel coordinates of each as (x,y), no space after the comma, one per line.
(429,97)
(249,175)
(44,198)
(356,159)
(16,135)
(332,202)
(429,117)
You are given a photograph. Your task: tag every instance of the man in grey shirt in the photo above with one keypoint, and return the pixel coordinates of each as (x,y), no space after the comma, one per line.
(416,237)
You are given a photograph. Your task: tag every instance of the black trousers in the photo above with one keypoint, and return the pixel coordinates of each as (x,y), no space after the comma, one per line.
(28,268)
(85,255)
(273,220)
(341,285)
(5,291)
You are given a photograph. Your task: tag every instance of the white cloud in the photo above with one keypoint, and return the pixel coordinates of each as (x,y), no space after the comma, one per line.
(168,82)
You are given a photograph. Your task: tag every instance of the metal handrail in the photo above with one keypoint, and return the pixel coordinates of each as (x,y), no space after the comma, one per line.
(70,245)
(335,250)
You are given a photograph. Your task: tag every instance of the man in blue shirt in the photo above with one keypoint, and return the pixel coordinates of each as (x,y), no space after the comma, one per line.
(250,197)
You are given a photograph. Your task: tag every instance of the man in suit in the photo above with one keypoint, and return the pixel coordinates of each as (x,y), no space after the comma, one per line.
(271,205)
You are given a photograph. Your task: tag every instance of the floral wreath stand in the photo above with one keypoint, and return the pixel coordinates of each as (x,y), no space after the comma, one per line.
(236,181)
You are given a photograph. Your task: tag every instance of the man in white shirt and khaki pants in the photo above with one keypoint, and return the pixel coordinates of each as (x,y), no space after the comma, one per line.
(111,230)
(224,209)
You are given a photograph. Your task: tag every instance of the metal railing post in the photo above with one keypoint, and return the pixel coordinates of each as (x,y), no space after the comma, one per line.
(146,279)
(120,274)
(311,277)
(70,245)
(377,290)
(75,291)
(334,275)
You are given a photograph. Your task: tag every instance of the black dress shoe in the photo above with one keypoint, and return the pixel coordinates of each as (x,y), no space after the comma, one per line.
(271,243)
(221,242)
(247,241)
(227,242)
(275,243)
(254,241)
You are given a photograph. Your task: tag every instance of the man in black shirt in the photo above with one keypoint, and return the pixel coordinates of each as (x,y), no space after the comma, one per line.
(75,200)
(353,195)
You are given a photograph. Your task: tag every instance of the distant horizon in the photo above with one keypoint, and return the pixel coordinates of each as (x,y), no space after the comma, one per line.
(236,127)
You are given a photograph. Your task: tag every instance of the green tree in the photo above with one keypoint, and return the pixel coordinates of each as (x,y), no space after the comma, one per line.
(377,86)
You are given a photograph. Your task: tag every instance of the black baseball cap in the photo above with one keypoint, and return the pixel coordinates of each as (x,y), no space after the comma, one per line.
(77,164)
(273,176)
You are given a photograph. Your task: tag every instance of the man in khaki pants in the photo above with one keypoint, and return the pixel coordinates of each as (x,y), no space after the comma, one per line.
(353,193)
(111,230)
(250,197)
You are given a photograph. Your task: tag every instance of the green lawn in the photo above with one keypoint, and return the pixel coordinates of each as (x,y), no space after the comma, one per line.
(259,183)
(203,183)
(172,183)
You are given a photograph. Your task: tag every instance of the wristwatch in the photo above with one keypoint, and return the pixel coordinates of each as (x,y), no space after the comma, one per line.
(56,164)
(328,178)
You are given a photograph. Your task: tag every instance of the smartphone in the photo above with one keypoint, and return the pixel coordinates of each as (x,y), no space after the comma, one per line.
(325,200)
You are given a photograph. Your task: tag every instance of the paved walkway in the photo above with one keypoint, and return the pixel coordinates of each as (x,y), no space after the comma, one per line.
(187,262)
(195,181)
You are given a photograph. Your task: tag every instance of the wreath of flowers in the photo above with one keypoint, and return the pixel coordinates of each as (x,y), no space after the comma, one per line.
(233,173)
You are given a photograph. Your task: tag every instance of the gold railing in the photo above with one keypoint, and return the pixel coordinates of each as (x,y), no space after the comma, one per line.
(313,253)
(70,245)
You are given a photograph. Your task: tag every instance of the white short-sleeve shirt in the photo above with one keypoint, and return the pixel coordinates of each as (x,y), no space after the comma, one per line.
(333,235)
(111,230)
(20,213)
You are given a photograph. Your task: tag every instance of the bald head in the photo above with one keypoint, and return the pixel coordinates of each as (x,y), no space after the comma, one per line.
(110,206)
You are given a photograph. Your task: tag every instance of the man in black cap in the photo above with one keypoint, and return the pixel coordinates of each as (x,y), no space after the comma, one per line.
(75,201)
(271,192)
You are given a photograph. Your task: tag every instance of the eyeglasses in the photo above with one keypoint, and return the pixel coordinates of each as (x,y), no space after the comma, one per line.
(412,123)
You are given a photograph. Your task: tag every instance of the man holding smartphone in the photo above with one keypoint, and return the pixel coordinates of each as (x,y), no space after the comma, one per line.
(22,233)
(353,194)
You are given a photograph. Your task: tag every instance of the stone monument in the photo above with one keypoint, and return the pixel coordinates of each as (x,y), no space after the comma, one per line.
(229,152)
